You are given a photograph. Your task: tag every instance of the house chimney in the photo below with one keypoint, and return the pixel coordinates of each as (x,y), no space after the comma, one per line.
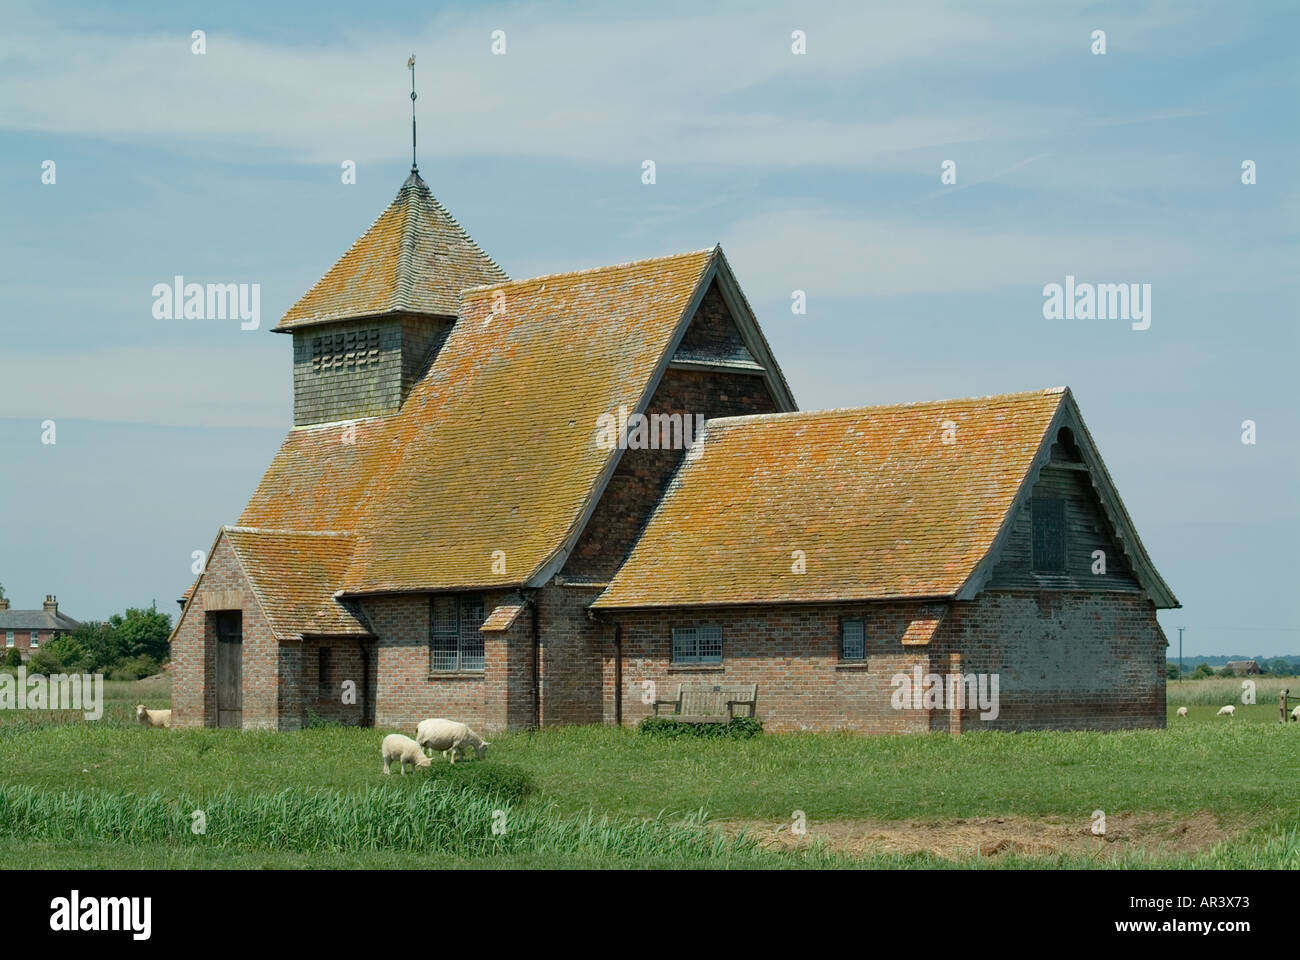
(4,604)
(51,604)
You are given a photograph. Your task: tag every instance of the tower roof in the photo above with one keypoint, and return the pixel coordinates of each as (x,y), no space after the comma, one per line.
(415,258)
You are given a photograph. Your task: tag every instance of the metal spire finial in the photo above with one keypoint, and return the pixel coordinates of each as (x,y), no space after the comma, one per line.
(411,65)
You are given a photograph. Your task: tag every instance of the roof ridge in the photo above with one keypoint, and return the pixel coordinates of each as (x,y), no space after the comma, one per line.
(588,271)
(272,531)
(403,274)
(460,229)
(849,411)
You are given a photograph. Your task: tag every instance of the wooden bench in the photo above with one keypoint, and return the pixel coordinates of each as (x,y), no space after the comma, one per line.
(709,702)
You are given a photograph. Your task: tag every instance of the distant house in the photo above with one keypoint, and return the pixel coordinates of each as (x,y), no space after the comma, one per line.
(29,630)
(1243,667)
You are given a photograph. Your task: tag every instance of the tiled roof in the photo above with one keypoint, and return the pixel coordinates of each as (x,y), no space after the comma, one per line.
(494,448)
(504,616)
(923,626)
(415,258)
(294,576)
(35,620)
(878,503)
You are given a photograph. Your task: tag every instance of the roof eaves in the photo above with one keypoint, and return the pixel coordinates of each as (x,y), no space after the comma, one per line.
(983,571)
(775,602)
(473,293)
(751,332)
(1125,529)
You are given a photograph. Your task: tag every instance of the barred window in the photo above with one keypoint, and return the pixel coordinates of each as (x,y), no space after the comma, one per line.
(455,643)
(698,644)
(853,640)
(340,351)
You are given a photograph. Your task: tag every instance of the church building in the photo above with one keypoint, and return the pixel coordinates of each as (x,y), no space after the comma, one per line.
(448,530)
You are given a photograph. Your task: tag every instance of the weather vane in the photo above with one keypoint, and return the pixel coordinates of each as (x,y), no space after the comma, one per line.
(411,66)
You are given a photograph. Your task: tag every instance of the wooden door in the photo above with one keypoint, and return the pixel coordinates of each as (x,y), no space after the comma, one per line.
(230,669)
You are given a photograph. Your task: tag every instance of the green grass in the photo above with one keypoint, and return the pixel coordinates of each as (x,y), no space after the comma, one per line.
(115,794)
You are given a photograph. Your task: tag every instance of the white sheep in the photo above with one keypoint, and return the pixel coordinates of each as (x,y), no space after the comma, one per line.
(1295,714)
(1227,711)
(404,750)
(1182,711)
(152,718)
(449,736)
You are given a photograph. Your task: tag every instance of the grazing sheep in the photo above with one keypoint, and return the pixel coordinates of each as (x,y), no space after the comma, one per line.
(152,718)
(449,736)
(1295,714)
(1182,711)
(404,750)
(1227,711)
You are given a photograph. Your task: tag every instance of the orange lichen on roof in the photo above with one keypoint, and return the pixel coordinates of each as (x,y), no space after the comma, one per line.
(415,258)
(921,630)
(294,576)
(487,469)
(321,475)
(869,503)
(503,459)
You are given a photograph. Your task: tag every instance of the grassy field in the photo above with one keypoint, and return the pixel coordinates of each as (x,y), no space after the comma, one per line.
(1223,690)
(1207,792)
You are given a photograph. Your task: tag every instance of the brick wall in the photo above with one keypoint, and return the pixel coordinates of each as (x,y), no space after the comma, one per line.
(310,685)
(573,647)
(23,641)
(1065,662)
(406,692)
(642,475)
(1066,659)
(194,650)
(792,653)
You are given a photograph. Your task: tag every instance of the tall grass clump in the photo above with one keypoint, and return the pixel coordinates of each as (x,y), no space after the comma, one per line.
(433,817)
(1216,691)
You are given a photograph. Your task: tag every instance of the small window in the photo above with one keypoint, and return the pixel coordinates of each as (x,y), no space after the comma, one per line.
(36,639)
(699,644)
(9,638)
(455,642)
(853,640)
(1049,534)
(340,350)
(323,671)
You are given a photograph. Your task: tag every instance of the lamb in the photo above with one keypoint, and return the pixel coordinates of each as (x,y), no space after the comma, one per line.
(152,718)
(1227,711)
(1295,714)
(1182,711)
(404,750)
(449,736)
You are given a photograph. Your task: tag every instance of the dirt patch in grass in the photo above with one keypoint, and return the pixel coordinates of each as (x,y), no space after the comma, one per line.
(1158,834)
